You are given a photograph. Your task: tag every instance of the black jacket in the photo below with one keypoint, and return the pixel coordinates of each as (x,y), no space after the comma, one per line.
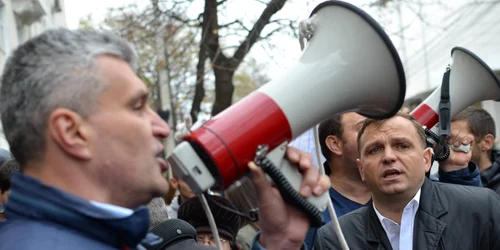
(490,177)
(449,217)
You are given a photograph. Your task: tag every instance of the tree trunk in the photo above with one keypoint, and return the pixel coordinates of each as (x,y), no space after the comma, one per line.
(199,91)
(224,67)
(224,90)
(209,43)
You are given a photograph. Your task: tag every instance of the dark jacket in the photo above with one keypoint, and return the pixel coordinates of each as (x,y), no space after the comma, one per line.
(468,176)
(490,177)
(449,217)
(45,218)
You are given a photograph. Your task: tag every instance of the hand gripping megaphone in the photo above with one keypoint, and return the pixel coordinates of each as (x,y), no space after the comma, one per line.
(349,64)
(470,81)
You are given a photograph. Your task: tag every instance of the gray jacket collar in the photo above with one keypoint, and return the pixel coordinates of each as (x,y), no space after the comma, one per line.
(428,226)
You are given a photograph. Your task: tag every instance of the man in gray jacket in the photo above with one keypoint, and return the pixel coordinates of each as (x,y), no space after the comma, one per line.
(407,210)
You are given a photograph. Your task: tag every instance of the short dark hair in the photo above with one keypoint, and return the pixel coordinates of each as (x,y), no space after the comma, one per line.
(377,123)
(6,170)
(330,126)
(478,120)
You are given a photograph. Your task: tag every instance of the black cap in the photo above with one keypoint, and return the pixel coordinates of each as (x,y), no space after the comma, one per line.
(173,234)
(228,223)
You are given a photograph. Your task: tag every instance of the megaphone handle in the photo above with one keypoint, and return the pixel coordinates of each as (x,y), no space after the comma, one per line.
(288,180)
(442,150)
(445,106)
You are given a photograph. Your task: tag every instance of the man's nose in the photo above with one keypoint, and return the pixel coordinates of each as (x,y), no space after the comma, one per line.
(160,127)
(389,156)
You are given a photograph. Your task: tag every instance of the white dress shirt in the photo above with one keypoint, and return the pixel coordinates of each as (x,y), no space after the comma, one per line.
(115,211)
(401,236)
(306,142)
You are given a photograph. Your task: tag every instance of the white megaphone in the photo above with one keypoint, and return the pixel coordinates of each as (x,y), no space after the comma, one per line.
(471,81)
(349,64)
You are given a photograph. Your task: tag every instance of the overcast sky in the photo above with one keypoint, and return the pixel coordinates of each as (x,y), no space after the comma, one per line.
(76,9)
(286,50)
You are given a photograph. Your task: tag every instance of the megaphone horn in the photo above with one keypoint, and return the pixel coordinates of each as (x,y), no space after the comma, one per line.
(471,81)
(346,65)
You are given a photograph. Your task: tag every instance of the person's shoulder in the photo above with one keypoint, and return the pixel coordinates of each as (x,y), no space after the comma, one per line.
(356,213)
(352,225)
(458,188)
(348,222)
(28,235)
(464,193)
(15,228)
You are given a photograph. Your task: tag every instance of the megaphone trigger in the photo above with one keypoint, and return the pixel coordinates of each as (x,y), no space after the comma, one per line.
(288,180)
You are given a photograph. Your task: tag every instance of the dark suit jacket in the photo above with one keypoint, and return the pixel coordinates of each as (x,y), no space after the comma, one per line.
(449,217)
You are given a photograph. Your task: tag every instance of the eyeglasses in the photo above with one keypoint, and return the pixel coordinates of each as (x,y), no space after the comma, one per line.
(210,240)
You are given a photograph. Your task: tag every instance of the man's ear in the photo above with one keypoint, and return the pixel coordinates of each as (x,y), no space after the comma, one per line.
(428,158)
(67,129)
(360,169)
(334,144)
(487,142)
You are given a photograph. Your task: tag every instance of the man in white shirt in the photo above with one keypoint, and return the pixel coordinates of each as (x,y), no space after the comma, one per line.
(401,236)
(408,211)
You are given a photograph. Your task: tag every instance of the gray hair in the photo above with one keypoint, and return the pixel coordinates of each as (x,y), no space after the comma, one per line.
(56,69)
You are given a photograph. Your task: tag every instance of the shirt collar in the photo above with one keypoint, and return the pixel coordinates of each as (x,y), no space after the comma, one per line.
(116,211)
(415,202)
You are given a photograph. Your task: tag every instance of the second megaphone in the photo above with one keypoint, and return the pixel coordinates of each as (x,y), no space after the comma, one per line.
(471,81)
(349,64)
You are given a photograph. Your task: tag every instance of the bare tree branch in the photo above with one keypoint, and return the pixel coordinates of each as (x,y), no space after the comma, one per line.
(279,21)
(209,46)
(199,87)
(221,2)
(273,7)
(260,1)
(278,29)
(232,23)
(420,16)
(224,67)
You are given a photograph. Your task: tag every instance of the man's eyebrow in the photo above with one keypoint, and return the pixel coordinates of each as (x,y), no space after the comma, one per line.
(140,95)
(401,139)
(370,144)
(360,123)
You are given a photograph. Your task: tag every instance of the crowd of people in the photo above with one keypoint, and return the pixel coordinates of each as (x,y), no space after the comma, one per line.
(85,169)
